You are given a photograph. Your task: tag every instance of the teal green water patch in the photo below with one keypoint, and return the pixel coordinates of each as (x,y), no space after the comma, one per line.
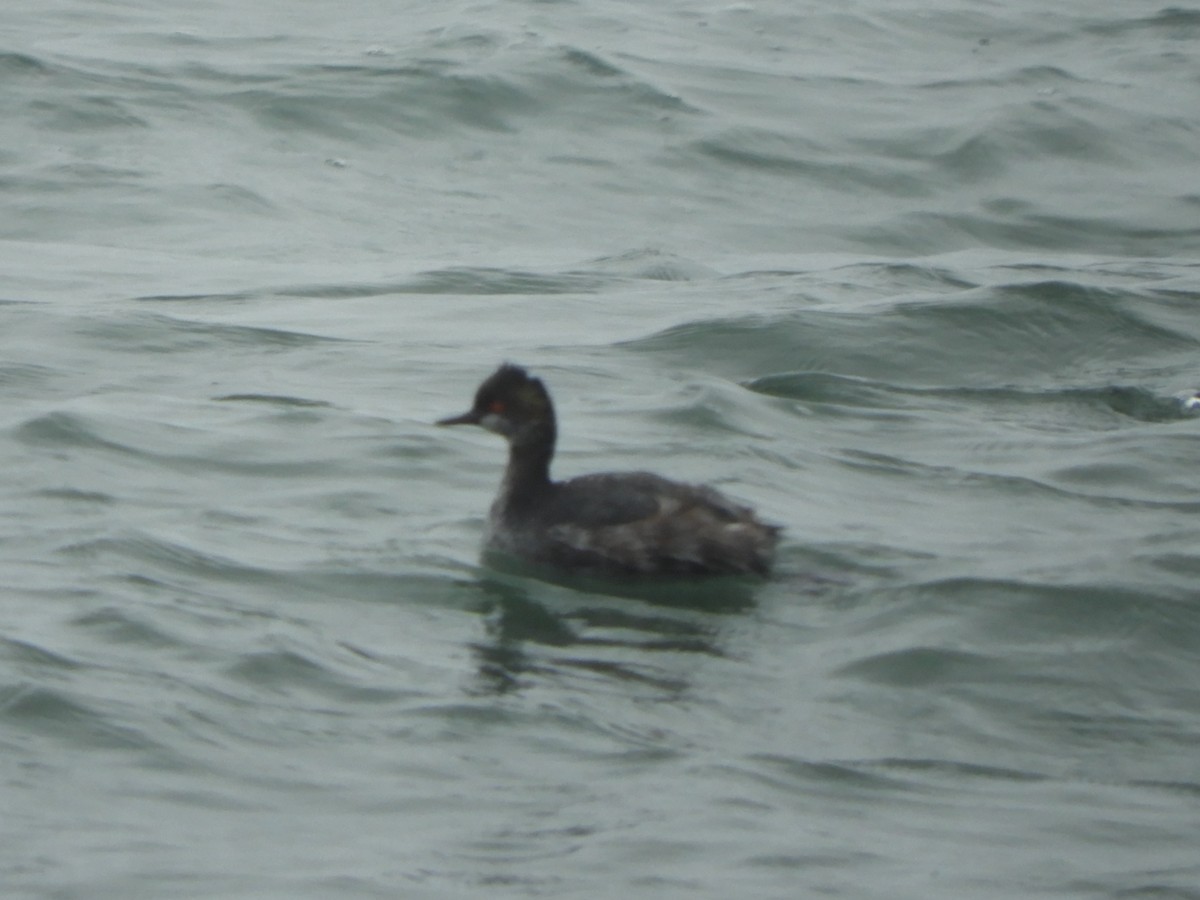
(990,336)
(922,667)
(1099,408)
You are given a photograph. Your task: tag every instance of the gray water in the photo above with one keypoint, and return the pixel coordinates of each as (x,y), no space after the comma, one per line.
(918,281)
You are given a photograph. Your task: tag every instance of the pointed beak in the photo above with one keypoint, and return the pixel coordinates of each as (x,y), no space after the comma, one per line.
(470,417)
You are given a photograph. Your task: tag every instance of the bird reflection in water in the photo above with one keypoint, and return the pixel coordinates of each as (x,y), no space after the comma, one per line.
(535,628)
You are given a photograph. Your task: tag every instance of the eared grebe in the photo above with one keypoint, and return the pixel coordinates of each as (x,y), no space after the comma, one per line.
(629,523)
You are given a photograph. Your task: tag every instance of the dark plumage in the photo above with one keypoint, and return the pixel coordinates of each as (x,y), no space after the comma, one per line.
(629,523)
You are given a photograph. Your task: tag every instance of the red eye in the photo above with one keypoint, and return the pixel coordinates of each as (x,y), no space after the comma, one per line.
(496,407)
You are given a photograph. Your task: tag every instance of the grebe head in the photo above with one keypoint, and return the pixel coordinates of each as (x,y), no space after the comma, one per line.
(511,403)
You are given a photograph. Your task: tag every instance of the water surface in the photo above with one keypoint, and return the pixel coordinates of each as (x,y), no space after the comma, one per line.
(919,283)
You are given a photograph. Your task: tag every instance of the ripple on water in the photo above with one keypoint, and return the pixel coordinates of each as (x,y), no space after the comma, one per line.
(988,336)
(158,333)
(122,627)
(171,447)
(62,714)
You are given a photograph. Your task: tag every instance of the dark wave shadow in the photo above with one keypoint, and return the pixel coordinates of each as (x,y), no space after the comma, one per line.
(536,628)
(727,594)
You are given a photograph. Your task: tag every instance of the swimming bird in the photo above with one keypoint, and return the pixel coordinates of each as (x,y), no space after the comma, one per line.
(611,523)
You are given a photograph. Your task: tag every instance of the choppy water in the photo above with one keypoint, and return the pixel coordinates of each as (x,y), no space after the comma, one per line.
(919,281)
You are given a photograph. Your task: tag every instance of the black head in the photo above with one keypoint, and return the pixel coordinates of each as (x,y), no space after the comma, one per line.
(510,402)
